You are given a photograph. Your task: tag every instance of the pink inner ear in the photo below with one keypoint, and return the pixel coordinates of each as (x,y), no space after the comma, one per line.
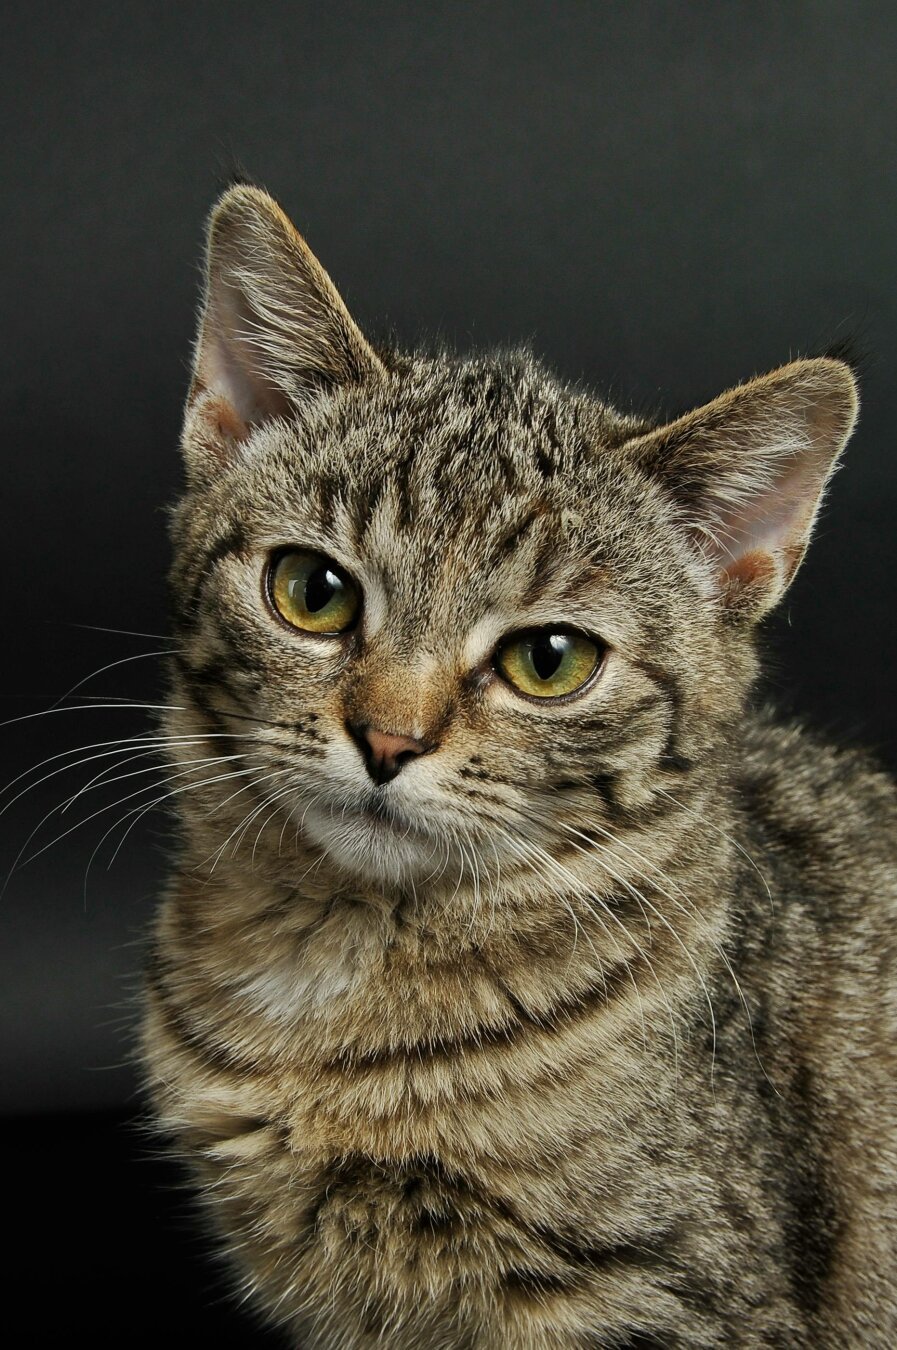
(228,422)
(750,569)
(776,519)
(230,367)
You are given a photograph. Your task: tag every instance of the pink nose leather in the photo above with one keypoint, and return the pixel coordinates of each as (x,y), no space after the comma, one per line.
(384,753)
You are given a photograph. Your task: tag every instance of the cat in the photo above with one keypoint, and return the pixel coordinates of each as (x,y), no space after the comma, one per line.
(519,983)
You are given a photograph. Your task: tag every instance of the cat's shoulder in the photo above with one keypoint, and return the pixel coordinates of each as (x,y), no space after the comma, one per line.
(824,800)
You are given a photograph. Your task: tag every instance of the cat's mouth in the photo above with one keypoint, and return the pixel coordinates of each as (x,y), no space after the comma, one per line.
(385,820)
(384,813)
(373,837)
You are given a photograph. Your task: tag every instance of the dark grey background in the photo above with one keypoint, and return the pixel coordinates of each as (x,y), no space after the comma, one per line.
(662,198)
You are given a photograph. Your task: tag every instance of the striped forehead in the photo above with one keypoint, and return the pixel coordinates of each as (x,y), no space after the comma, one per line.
(448,571)
(432,562)
(444,509)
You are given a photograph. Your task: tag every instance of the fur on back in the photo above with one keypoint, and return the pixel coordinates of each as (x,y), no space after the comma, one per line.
(579,1031)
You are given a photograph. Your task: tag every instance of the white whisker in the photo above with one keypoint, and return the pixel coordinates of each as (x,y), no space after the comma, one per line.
(125,660)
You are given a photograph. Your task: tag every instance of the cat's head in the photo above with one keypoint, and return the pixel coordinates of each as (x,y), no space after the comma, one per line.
(449,609)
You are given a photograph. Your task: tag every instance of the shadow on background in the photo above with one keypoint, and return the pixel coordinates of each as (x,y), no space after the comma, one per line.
(109,1237)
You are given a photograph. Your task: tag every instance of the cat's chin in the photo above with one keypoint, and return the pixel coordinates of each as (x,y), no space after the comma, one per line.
(370,844)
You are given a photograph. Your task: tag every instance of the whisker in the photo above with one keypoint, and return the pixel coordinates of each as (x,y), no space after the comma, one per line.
(283,792)
(577,926)
(257,810)
(693,912)
(157,743)
(93,707)
(140,811)
(123,632)
(559,867)
(125,660)
(100,781)
(111,806)
(728,837)
(218,853)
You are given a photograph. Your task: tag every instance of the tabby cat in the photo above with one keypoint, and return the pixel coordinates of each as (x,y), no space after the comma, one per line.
(518,984)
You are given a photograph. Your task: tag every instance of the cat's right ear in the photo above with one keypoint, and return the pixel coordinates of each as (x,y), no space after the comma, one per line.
(273,330)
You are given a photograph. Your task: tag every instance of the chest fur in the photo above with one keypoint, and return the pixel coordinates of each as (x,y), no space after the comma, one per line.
(432,1147)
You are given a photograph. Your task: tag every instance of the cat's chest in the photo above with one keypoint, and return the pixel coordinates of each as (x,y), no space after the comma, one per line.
(357,989)
(380,1046)
(387,1128)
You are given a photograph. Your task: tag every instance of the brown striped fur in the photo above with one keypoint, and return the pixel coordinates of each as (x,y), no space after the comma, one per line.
(579,1032)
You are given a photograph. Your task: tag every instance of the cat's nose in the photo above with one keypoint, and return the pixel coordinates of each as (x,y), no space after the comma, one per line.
(384,754)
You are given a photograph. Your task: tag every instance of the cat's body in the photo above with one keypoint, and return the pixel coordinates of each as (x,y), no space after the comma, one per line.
(568,1021)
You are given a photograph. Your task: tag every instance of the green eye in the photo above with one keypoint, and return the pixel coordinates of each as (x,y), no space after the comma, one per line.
(547,664)
(313,592)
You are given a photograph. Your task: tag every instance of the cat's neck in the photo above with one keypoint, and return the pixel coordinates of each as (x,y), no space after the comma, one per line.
(302,939)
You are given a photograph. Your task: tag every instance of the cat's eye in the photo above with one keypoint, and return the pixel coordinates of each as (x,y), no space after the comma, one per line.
(313,593)
(547,663)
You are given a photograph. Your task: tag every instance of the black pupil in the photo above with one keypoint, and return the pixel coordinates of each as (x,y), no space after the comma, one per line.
(548,653)
(320,588)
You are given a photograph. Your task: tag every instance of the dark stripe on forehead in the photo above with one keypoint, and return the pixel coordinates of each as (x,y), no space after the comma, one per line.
(517,533)
(542,423)
(506,466)
(546,466)
(543,571)
(404,471)
(365,501)
(328,492)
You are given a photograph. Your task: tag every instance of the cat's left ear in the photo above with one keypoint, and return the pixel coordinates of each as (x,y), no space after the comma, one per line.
(747,473)
(273,330)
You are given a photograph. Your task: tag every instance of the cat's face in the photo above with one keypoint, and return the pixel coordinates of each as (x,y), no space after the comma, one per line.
(467,510)
(462,613)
